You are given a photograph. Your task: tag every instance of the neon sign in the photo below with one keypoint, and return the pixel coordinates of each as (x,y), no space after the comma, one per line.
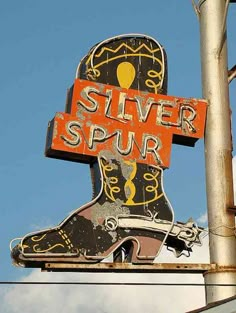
(129,123)
(119,120)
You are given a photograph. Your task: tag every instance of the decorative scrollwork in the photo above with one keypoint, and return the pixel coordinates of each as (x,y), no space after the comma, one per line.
(151,83)
(36,248)
(38,238)
(153,178)
(92,73)
(109,181)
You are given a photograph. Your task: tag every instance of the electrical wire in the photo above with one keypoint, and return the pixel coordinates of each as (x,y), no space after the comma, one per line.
(113,283)
(213,231)
(200,2)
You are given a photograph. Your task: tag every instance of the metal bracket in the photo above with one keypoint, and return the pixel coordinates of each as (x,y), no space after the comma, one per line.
(190,268)
(196,9)
(232,72)
(233,209)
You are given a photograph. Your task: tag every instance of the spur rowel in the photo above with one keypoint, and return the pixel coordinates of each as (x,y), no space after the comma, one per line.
(129,210)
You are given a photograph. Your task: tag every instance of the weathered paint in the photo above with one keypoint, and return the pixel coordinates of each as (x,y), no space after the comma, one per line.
(126,136)
(133,124)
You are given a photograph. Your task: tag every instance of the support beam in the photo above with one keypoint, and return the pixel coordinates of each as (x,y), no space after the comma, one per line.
(218,150)
(179,268)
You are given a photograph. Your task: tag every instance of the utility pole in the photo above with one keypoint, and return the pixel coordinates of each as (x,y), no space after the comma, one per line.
(218,149)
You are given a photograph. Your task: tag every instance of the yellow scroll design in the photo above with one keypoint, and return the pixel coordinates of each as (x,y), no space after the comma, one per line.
(150,189)
(129,185)
(150,192)
(38,238)
(109,182)
(37,249)
(151,83)
(63,235)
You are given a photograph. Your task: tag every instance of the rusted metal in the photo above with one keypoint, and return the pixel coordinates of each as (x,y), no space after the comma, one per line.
(232,209)
(221,269)
(191,268)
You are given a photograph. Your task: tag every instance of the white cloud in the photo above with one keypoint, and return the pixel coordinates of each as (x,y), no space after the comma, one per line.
(202,219)
(108,299)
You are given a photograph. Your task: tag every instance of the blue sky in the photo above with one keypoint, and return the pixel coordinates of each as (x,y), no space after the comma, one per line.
(41,44)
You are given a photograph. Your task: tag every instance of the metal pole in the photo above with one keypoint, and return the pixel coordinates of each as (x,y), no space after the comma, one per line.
(218,149)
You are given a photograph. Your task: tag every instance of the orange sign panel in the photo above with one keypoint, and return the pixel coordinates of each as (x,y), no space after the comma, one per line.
(132,124)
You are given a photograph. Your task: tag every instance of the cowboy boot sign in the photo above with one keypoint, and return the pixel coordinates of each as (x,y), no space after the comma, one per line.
(119,120)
